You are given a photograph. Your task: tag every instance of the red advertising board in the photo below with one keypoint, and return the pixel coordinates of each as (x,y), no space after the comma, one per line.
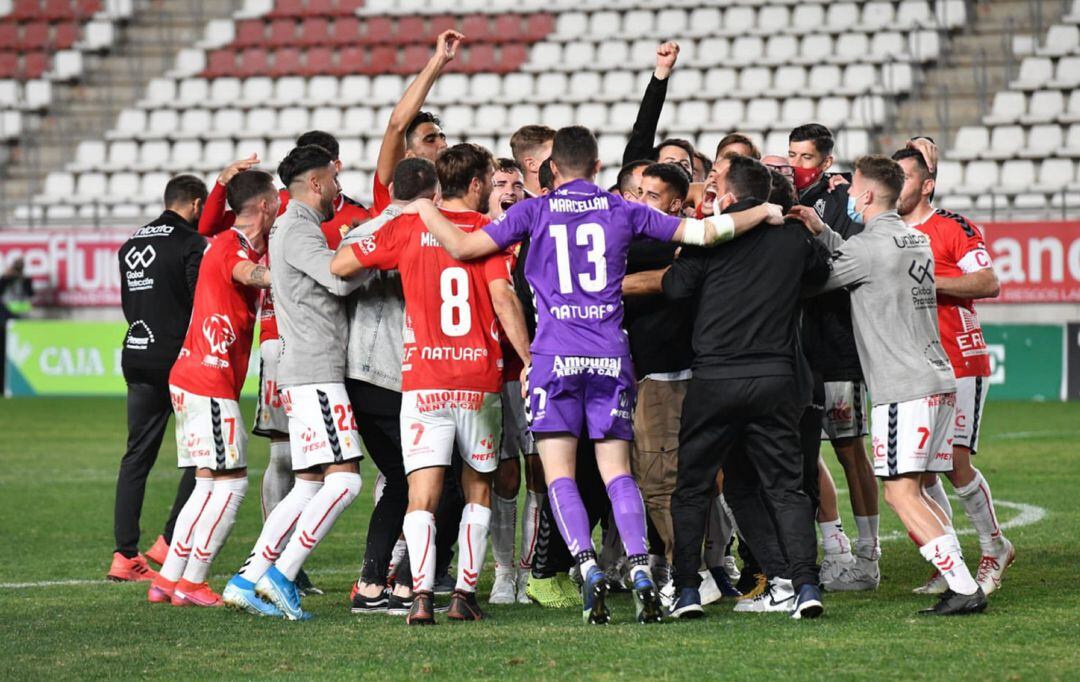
(1036,262)
(70,267)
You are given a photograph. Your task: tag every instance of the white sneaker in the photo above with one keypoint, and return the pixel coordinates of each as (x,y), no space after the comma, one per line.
(833,566)
(992,568)
(504,589)
(522,583)
(731,568)
(667,595)
(935,585)
(779,596)
(863,575)
(708,590)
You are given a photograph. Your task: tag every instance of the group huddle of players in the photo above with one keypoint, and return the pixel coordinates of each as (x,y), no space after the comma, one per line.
(477,309)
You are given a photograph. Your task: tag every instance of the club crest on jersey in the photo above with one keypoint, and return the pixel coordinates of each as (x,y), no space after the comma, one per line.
(819,208)
(366,245)
(219,333)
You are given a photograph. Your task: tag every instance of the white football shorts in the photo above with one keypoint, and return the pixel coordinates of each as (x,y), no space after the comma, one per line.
(322,428)
(210,432)
(432,421)
(517,439)
(970,400)
(845,410)
(270,417)
(914,436)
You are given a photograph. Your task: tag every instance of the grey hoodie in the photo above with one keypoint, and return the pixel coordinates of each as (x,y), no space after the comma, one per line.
(889,269)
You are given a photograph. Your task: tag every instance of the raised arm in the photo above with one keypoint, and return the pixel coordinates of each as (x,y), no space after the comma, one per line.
(393,144)
(643,136)
(252,274)
(717,229)
(216,217)
(345,263)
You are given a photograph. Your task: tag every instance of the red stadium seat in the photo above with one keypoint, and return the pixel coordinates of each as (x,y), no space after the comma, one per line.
(440,23)
(58,10)
(66,35)
(326,8)
(477,28)
(354,60)
(35,36)
(34,65)
(220,63)
(377,30)
(84,9)
(253,62)
(250,33)
(282,33)
(507,28)
(286,62)
(512,56)
(318,60)
(313,31)
(26,10)
(415,57)
(538,26)
(292,9)
(349,6)
(382,59)
(481,58)
(9,64)
(9,35)
(410,30)
(346,31)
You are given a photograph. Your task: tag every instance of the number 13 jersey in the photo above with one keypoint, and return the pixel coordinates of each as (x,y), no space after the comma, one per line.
(579,238)
(451,336)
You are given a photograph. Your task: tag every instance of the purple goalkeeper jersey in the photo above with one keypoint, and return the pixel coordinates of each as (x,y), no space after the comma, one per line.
(579,236)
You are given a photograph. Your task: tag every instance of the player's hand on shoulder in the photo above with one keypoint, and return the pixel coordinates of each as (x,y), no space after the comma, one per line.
(414,207)
(807,216)
(837,180)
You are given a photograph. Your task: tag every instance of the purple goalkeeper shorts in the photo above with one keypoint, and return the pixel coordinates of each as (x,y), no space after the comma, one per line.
(576,395)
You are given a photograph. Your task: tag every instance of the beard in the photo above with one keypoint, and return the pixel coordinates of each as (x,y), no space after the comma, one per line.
(485,205)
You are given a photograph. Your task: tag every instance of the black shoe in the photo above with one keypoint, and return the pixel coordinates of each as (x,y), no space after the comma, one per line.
(952,604)
(398,606)
(748,580)
(303,584)
(421,612)
(444,585)
(723,583)
(362,604)
(463,606)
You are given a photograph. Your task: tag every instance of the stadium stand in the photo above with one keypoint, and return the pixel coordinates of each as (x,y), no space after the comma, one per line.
(273,69)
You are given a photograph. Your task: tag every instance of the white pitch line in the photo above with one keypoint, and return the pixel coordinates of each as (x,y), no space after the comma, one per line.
(1029,514)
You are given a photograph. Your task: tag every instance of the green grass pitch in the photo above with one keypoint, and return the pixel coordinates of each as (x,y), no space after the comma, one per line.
(60,619)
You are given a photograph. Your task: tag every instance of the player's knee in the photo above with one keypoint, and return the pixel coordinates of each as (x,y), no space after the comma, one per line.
(507,479)
(348,483)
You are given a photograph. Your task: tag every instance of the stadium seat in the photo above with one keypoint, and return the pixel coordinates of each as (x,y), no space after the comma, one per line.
(1034,73)
(1061,39)
(1008,107)
(288,91)
(970,142)
(223,91)
(841,16)
(876,16)
(755,80)
(185,154)
(807,18)
(1005,142)
(1042,141)
(260,121)
(286,62)
(950,175)
(322,90)
(1046,106)
(979,176)
(122,155)
(1054,175)
(1066,74)
(1017,175)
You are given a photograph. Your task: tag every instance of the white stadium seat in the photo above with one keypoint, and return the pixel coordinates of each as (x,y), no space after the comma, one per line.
(223,91)
(1005,142)
(1008,107)
(1045,106)
(970,141)
(1061,39)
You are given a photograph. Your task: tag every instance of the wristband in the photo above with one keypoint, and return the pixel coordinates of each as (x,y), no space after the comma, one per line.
(694,232)
(724,226)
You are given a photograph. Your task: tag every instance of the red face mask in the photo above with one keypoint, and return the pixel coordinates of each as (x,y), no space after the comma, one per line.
(804,177)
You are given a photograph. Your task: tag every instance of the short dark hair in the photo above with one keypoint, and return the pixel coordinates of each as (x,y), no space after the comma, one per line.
(627,171)
(920,161)
(748,179)
(682,144)
(420,119)
(247,185)
(322,139)
(505,165)
(545,176)
(575,150)
(414,178)
(527,138)
(738,138)
(883,171)
(672,174)
(184,188)
(458,165)
(781,192)
(705,161)
(815,132)
(302,159)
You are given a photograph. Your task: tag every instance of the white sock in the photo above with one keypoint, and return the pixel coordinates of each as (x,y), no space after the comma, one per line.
(277,529)
(937,494)
(944,553)
(419,528)
(184,531)
(503,526)
(396,555)
(472,545)
(979,507)
(338,492)
(277,480)
(214,526)
(868,545)
(833,538)
(530,524)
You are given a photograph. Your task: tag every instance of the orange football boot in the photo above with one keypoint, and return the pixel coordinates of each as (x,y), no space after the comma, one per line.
(130,570)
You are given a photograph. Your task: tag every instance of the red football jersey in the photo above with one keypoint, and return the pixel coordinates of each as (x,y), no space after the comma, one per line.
(380,195)
(959,249)
(451,336)
(214,359)
(503,269)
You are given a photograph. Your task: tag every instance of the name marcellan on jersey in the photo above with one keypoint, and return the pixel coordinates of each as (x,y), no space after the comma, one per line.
(560,205)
